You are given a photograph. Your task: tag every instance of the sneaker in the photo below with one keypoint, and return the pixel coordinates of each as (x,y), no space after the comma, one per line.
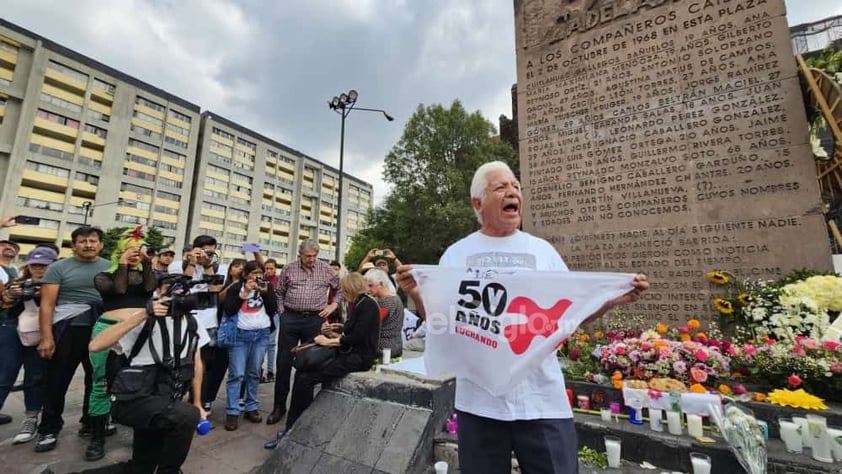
(28,430)
(270,377)
(275,442)
(207,407)
(46,442)
(4,419)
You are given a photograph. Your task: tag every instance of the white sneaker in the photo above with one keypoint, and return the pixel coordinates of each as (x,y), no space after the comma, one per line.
(28,430)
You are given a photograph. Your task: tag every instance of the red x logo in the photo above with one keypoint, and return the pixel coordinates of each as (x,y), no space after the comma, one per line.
(539,322)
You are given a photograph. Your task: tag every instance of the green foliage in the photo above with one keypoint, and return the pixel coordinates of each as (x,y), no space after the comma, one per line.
(430,168)
(830,61)
(593,457)
(114,234)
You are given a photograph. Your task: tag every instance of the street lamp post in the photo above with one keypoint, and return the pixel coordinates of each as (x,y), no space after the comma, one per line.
(88,206)
(343,105)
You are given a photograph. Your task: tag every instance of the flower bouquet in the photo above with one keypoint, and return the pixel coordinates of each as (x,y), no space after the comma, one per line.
(743,434)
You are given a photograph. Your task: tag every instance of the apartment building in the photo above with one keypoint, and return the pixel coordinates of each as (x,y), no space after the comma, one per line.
(83,143)
(251,189)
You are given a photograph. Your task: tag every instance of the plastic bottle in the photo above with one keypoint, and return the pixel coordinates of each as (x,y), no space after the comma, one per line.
(452,425)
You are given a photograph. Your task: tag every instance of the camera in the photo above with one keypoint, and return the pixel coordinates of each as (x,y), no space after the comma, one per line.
(29,287)
(182,301)
(150,250)
(210,253)
(261,282)
(212,279)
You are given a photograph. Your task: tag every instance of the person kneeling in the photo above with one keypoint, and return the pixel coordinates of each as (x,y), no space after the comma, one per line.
(357,349)
(162,361)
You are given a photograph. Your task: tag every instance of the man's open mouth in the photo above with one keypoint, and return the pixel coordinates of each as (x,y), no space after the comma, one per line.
(513,207)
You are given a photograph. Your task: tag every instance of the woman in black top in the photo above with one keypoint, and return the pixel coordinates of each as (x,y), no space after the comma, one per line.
(357,348)
(125,288)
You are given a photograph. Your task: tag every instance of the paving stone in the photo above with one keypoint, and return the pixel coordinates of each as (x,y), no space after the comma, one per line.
(366,431)
(292,457)
(398,456)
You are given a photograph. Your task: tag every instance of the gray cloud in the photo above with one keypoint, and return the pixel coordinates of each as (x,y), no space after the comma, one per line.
(272,66)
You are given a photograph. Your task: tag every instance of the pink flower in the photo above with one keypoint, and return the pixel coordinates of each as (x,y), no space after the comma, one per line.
(689,345)
(620,350)
(794,380)
(664,352)
(731,351)
(749,349)
(701,355)
(655,394)
(684,329)
(739,389)
(798,350)
(645,346)
(810,343)
(831,345)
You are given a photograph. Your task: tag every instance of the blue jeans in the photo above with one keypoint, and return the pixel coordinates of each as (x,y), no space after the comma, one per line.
(13,355)
(272,347)
(244,360)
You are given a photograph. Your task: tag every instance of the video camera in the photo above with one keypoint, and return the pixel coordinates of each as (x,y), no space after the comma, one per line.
(28,288)
(182,301)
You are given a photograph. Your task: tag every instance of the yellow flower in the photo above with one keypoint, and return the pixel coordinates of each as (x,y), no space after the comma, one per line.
(661,328)
(745,299)
(724,389)
(797,399)
(698,388)
(758,397)
(723,306)
(693,324)
(718,277)
(598,334)
(685,337)
(702,336)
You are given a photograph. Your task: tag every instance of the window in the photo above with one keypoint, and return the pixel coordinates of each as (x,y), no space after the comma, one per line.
(84,160)
(141,160)
(39,204)
(220,158)
(100,132)
(170,182)
(213,207)
(238,213)
(211,232)
(148,103)
(222,133)
(175,156)
(241,177)
(148,118)
(60,102)
(47,169)
(287,159)
(214,194)
(47,151)
(133,188)
(135,204)
(108,88)
(177,129)
(80,76)
(238,200)
(138,174)
(216,182)
(144,146)
(175,141)
(145,132)
(251,146)
(129,219)
(271,154)
(168,196)
(213,220)
(180,116)
(59,119)
(171,169)
(88,178)
(222,146)
(91,113)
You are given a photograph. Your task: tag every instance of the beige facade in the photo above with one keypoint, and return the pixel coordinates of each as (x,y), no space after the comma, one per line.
(250,188)
(83,143)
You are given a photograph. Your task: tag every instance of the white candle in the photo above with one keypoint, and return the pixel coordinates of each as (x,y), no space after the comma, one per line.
(694,425)
(790,436)
(612,449)
(806,439)
(674,422)
(656,420)
(700,462)
(605,413)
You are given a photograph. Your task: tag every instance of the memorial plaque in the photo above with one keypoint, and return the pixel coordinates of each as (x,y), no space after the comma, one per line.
(668,137)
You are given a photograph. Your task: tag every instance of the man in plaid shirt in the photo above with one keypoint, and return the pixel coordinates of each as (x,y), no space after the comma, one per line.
(303,289)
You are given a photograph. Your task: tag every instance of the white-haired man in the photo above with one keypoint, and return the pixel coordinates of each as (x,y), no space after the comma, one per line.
(534,419)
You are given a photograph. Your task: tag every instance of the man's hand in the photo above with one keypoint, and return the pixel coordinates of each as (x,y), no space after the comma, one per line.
(373,253)
(405,279)
(328,310)
(389,254)
(640,284)
(130,252)
(47,347)
(8,221)
(160,308)
(326,341)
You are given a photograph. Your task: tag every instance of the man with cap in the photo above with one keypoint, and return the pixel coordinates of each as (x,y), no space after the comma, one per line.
(8,251)
(19,310)
(177,266)
(163,261)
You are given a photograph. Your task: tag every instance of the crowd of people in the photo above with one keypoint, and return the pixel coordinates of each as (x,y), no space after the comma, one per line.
(152,330)
(145,327)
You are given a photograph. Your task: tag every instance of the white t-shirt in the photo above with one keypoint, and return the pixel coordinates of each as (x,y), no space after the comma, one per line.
(542,393)
(252,314)
(144,357)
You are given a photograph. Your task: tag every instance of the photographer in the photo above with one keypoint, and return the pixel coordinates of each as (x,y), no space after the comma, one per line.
(251,301)
(201,266)
(19,339)
(162,344)
(125,288)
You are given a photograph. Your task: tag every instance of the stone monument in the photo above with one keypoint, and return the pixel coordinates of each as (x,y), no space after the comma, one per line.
(668,137)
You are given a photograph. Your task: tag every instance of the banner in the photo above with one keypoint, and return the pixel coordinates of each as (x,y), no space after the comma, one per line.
(493,326)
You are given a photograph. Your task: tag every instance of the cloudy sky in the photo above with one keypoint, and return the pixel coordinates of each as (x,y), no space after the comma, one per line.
(273,65)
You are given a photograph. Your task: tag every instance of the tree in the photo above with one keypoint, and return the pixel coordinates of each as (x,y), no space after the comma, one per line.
(113,235)
(430,168)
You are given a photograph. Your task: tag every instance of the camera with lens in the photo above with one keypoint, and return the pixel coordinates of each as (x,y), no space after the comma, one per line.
(182,301)
(210,253)
(29,287)
(261,282)
(150,250)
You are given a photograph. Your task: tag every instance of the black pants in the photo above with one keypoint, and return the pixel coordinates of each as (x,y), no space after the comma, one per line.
(306,381)
(163,432)
(215,361)
(295,328)
(71,350)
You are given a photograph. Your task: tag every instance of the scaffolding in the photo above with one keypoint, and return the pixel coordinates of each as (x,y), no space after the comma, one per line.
(811,37)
